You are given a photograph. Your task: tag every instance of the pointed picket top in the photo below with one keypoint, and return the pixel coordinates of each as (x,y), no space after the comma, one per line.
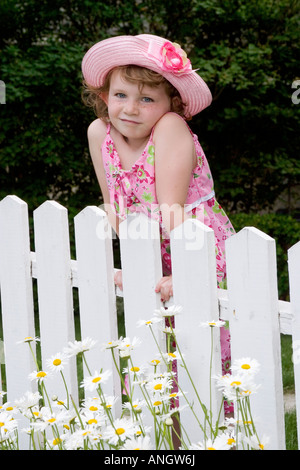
(254,323)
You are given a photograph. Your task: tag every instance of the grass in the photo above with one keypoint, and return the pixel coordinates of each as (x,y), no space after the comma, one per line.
(289,387)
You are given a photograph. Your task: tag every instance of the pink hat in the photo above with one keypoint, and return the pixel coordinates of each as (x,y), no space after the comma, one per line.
(154,53)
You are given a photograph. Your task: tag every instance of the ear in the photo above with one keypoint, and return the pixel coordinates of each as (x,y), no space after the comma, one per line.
(175,102)
(104,96)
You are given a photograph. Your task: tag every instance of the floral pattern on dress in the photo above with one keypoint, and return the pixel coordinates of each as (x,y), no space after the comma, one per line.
(134,191)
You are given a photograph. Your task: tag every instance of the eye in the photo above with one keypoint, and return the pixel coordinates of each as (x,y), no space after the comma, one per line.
(120,95)
(147,99)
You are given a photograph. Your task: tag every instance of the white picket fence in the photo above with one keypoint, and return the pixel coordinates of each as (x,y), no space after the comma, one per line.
(250,303)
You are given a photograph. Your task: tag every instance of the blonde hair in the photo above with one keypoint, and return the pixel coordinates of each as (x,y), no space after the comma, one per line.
(133,74)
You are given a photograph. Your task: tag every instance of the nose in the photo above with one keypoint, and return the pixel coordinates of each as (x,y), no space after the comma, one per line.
(131,107)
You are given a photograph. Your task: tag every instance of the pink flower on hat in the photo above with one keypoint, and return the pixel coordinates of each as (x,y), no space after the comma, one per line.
(174,59)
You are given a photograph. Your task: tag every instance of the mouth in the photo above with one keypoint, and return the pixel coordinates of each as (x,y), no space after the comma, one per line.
(129,121)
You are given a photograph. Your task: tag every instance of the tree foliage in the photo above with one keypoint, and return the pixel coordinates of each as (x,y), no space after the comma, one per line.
(248,53)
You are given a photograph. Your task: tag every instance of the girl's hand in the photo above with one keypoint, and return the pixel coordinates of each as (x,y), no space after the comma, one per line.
(165,287)
(118,279)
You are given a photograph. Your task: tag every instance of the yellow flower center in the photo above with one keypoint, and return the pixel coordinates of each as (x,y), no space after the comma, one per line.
(57,362)
(93,408)
(172,355)
(96,379)
(211,448)
(137,448)
(157,403)
(92,421)
(230,441)
(135,369)
(120,431)
(51,420)
(41,374)
(155,362)
(157,387)
(261,446)
(56,441)
(1,424)
(236,382)
(246,366)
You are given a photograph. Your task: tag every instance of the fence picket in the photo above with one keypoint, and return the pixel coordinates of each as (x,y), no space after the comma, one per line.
(16,295)
(254,323)
(141,270)
(53,264)
(16,301)
(293,265)
(195,290)
(95,279)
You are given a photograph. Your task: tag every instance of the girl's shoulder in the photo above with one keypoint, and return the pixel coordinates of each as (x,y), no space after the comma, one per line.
(172,126)
(97,131)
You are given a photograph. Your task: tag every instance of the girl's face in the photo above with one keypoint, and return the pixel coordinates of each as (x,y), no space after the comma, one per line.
(134,112)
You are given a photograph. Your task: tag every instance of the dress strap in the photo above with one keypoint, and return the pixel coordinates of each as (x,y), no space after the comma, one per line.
(108,128)
(196,203)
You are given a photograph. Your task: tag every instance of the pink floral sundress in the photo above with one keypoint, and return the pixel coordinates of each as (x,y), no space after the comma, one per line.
(134,191)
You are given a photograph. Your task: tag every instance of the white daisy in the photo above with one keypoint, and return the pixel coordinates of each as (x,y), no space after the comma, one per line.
(257,444)
(212,324)
(150,322)
(245,365)
(7,424)
(219,443)
(79,347)
(98,378)
(138,443)
(126,346)
(39,376)
(168,312)
(56,362)
(236,386)
(28,401)
(159,385)
(28,339)
(172,356)
(121,430)
(110,345)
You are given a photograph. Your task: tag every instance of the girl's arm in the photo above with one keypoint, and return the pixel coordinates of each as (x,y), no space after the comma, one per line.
(96,136)
(175,159)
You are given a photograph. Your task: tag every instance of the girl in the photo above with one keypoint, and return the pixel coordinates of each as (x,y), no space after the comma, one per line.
(146,158)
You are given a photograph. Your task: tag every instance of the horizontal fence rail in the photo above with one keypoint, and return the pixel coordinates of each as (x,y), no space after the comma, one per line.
(250,302)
